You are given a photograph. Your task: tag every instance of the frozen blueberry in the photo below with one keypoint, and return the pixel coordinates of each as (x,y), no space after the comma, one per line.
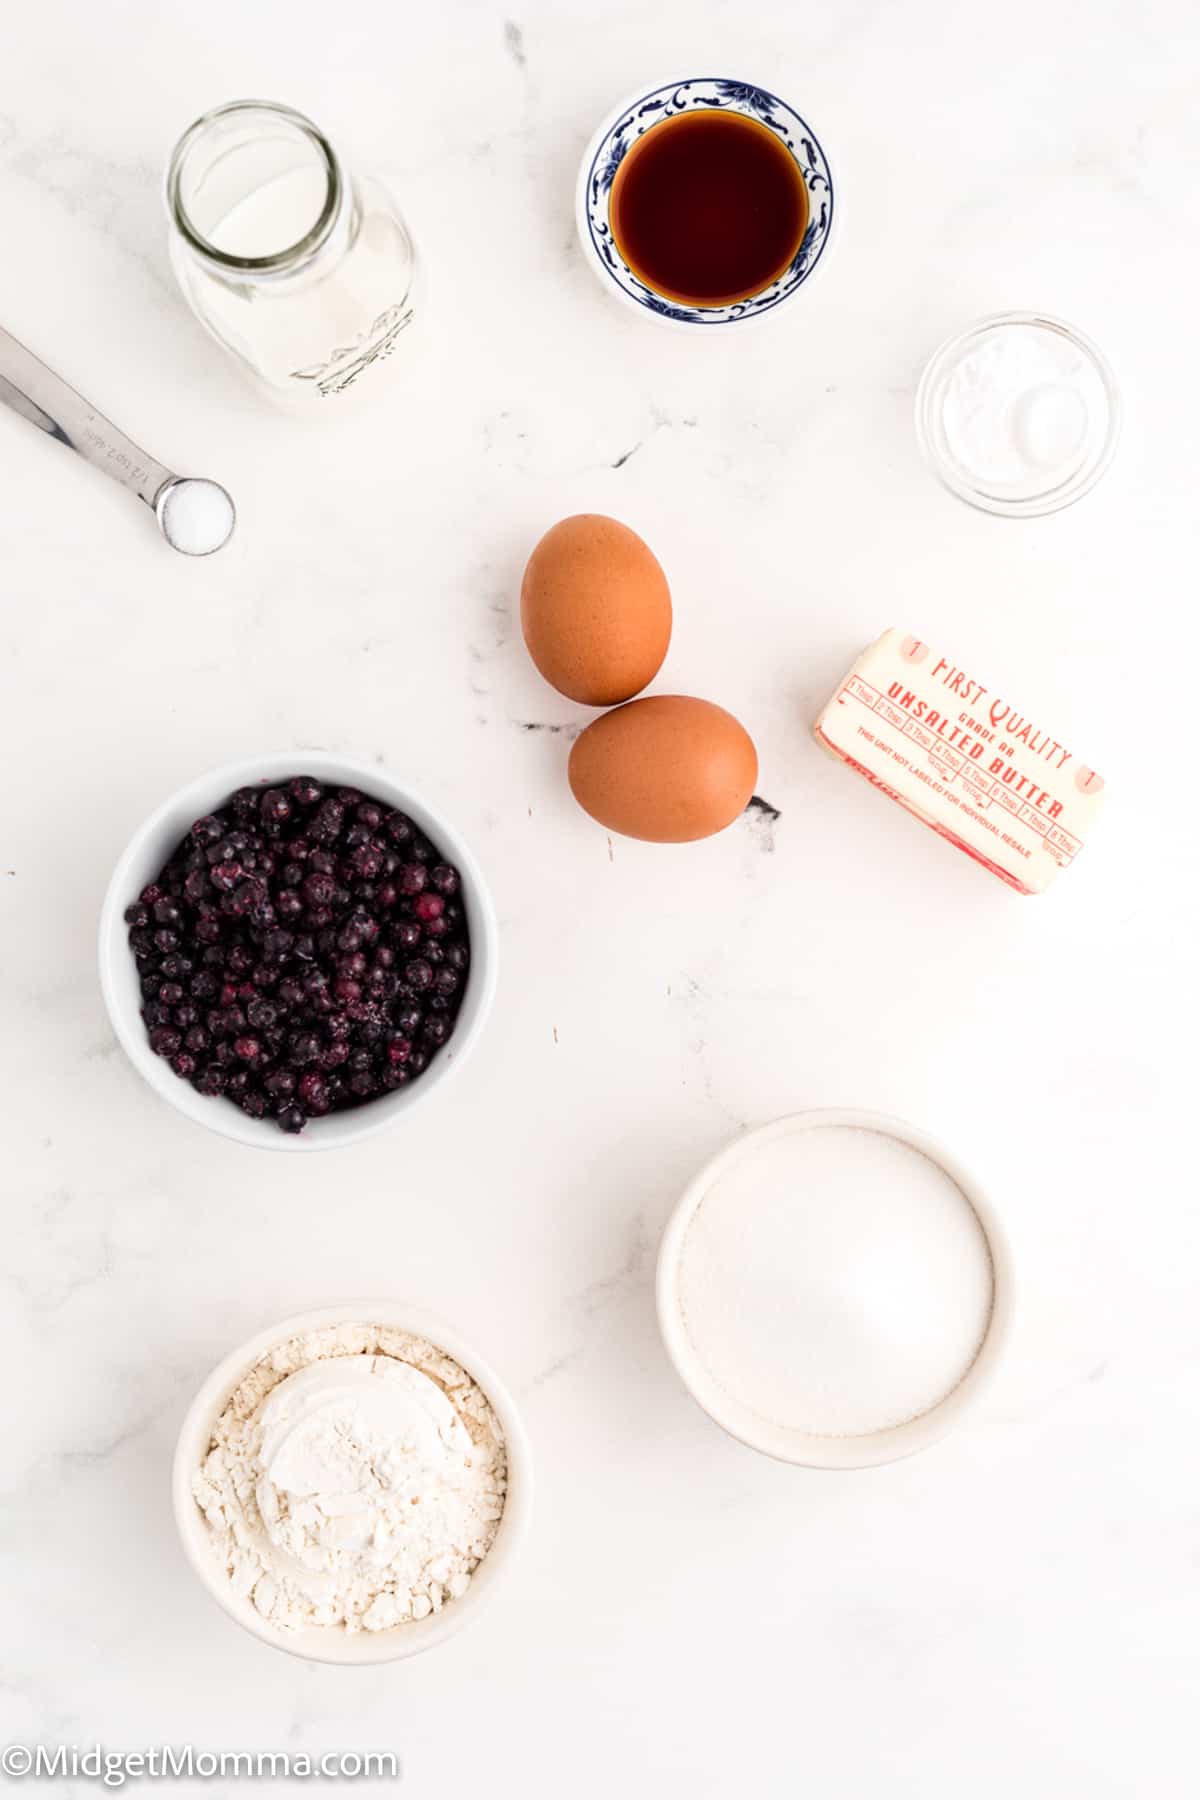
(303,950)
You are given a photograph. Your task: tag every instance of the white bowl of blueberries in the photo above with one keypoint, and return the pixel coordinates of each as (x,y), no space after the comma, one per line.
(294,950)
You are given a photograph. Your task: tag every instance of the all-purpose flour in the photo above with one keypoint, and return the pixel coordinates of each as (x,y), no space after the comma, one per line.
(356,1478)
(836,1281)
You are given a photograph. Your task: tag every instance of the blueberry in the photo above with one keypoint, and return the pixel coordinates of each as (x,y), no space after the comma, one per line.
(313,1094)
(318,888)
(326,826)
(303,1047)
(275,808)
(366,861)
(267,970)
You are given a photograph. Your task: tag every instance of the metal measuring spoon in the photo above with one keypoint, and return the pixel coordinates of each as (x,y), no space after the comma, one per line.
(196,517)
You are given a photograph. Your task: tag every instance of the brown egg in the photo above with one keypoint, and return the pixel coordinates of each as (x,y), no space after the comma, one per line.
(667,768)
(595,610)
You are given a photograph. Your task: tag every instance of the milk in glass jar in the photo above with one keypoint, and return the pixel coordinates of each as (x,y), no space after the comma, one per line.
(301,270)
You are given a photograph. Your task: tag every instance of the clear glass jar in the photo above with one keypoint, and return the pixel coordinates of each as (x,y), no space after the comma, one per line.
(302,272)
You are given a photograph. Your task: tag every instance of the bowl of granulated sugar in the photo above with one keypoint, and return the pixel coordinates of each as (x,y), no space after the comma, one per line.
(835,1290)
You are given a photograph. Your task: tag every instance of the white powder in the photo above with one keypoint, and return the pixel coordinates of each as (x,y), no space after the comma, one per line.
(356,1478)
(1022,409)
(836,1281)
(196,516)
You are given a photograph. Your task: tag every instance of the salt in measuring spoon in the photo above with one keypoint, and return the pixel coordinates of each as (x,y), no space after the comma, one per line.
(195,516)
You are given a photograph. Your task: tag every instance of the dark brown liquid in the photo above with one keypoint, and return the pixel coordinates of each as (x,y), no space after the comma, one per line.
(708,208)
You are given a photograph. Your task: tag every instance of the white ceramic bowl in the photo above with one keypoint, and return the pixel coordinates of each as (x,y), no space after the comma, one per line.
(331,1644)
(806,1448)
(650,106)
(145,854)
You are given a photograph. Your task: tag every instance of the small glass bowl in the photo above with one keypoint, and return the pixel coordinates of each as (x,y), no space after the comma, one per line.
(1016,499)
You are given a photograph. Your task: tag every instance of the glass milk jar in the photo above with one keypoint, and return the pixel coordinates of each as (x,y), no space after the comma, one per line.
(303,272)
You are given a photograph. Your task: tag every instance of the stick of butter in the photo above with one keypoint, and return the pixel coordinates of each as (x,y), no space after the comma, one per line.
(963,760)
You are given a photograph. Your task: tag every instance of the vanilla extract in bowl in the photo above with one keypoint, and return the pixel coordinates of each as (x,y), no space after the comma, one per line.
(709,208)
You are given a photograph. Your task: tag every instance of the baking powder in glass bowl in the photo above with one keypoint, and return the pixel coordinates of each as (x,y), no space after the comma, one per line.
(1019,414)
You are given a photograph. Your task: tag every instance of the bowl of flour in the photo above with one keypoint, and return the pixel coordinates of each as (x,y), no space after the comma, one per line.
(835,1290)
(351,1484)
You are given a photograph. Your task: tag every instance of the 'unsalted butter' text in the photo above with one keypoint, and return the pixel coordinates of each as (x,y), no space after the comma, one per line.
(958,733)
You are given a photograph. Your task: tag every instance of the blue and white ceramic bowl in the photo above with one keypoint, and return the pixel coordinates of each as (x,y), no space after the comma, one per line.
(649,107)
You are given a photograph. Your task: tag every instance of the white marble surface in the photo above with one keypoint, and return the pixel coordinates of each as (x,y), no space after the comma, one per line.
(1013,1612)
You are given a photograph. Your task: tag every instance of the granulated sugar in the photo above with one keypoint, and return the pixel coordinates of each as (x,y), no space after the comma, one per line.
(836,1281)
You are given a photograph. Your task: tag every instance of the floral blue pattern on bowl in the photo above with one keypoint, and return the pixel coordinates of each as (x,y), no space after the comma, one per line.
(616,140)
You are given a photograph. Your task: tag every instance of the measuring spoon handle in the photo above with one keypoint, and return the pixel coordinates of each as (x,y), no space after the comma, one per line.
(34,391)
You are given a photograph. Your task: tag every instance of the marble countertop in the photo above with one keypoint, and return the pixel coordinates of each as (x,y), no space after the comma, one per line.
(1013,1612)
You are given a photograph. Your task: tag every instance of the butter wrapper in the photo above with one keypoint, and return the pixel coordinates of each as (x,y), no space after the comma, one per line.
(963,760)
